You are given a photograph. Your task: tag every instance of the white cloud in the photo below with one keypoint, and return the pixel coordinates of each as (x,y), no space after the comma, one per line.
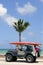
(30,33)
(28,8)
(41,0)
(3,10)
(8,19)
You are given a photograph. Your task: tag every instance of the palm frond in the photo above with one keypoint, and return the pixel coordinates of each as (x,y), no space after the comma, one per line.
(26,24)
(20,26)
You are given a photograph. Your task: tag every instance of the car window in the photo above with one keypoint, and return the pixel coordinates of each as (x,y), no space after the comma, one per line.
(24,48)
(29,48)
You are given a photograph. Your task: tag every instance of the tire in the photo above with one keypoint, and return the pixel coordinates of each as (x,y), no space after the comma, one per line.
(9,57)
(15,58)
(30,58)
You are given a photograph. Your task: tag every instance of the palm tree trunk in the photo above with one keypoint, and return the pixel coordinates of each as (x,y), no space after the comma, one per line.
(19,36)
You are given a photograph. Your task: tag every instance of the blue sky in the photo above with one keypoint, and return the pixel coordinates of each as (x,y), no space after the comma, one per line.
(28,10)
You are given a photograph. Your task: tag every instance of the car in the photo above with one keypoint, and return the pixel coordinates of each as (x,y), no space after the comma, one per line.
(25,50)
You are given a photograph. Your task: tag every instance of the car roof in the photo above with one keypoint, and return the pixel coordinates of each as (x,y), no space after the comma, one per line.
(26,43)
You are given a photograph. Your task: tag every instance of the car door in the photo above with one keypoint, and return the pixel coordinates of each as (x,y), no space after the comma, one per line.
(21,52)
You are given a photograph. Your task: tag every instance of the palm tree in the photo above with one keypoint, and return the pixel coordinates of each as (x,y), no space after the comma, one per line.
(20,26)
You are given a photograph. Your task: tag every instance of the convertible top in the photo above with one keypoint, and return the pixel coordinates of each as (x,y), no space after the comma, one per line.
(26,43)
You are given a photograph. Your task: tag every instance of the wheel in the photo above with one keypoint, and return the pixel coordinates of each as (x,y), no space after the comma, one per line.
(15,58)
(30,58)
(9,57)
